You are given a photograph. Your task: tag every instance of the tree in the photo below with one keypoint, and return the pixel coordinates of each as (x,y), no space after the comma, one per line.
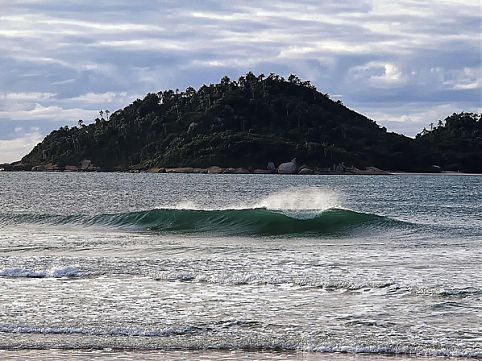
(225,82)
(190,92)
(294,79)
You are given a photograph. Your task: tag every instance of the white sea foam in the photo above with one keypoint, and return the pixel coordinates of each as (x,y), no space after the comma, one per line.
(295,280)
(126,331)
(180,337)
(21,273)
(60,272)
(54,272)
(394,350)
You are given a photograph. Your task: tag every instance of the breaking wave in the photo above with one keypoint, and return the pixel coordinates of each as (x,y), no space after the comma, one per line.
(57,272)
(255,221)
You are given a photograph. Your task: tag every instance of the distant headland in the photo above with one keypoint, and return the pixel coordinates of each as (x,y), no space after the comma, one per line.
(256,124)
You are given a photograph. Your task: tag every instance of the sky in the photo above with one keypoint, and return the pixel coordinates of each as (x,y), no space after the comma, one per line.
(403,63)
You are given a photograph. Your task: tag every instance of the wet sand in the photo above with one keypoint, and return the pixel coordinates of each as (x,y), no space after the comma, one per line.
(100,355)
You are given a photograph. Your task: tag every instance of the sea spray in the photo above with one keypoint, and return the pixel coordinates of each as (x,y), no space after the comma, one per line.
(295,200)
(301,199)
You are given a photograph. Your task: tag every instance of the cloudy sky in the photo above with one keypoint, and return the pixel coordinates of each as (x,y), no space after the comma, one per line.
(404,63)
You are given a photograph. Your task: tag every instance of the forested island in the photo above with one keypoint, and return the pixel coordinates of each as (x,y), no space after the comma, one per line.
(253,124)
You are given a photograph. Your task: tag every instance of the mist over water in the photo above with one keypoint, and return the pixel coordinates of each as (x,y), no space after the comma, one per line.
(302,198)
(323,264)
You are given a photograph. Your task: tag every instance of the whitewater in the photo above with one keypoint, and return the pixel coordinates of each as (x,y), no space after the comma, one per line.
(179,266)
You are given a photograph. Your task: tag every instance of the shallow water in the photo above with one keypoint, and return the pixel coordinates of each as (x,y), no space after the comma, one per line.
(284,266)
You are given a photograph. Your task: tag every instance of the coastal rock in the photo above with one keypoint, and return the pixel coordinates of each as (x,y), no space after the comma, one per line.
(38,168)
(200,170)
(262,171)
(339,168)
(52,168)
(156,170)
(180,170)
(87,166)
(369,171)
(306,171)
(121,168)
(239,171)
(215,170)
(19,166)
(71,168)
(271,166)
(288,168)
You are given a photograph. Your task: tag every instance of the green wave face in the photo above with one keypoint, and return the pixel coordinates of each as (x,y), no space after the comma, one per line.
(258,221)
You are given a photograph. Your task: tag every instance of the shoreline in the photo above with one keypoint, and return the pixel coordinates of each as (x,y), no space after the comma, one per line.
(314,173)
(287,168)
(129,354)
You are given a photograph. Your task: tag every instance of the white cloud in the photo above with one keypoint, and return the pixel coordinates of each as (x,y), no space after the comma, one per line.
(13,149)
(26,96)
(99,98)
(391,75)
(51,113)
(466,79)
(379,74)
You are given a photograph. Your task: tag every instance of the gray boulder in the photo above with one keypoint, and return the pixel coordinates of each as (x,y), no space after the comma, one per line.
(87,166)
(288,168)
(305,171)
(215,170)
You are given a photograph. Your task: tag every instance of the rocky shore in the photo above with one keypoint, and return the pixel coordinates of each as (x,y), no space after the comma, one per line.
(290,167)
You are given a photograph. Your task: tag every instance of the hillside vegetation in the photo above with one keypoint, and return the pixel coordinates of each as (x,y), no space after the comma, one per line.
(455,143)
(248,123)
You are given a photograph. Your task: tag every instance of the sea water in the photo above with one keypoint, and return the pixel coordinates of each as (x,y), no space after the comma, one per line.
(179,266)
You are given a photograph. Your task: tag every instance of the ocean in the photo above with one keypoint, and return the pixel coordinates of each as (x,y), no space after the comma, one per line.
(270,267)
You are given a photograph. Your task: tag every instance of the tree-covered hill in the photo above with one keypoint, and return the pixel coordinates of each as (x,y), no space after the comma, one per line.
(243,123)
(455,143)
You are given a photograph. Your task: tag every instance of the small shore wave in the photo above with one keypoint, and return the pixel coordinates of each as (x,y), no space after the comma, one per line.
(56,272)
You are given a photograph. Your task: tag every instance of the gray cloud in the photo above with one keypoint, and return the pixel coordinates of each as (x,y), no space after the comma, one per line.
(403,63)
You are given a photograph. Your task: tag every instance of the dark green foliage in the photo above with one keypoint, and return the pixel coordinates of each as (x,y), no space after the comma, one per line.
(456,143)
(248,122)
